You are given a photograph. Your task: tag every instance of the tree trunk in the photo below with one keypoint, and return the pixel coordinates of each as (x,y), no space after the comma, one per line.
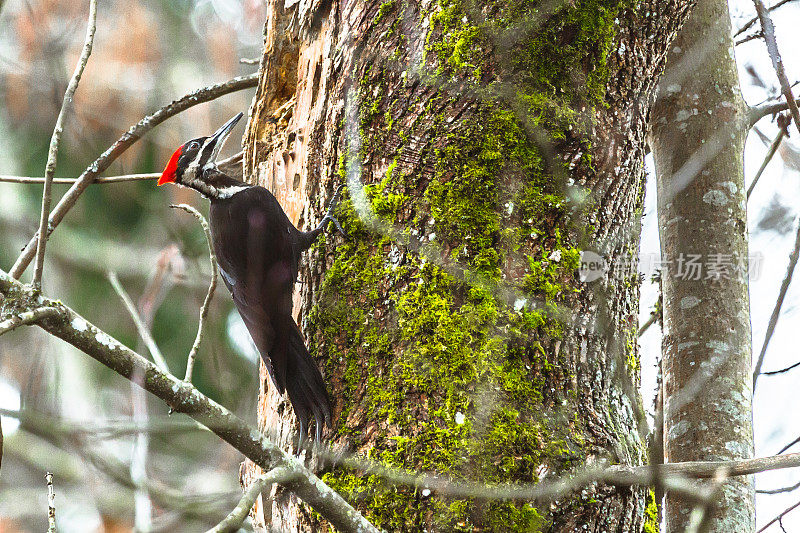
(484,146)
(699,129)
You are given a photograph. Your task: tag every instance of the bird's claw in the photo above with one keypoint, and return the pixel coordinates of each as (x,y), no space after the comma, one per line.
(331,208)
(329,218)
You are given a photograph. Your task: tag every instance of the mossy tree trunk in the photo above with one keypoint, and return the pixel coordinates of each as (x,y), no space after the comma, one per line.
(485,145)
(700,122)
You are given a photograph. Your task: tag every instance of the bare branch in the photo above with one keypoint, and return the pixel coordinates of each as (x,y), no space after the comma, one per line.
(795,441)
(756,113)
(770,153)
(781,371)
(655,314)
(780,490)
(51,504)
(777,63)
(27,317)
(779,517)
(776,312)
(234,520)
(32,180)
(123,143)
(143,330)
(211,288)
(55,139)
(752,37)
(753,20)
(675,477)
(65,435)
(110,429)
(184,398)
(741,467)
(123,178)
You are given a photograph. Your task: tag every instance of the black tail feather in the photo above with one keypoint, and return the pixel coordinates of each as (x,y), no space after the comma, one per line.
(304,383)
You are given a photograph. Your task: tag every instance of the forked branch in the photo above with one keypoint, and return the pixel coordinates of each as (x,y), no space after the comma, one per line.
(55,139)
(211,288)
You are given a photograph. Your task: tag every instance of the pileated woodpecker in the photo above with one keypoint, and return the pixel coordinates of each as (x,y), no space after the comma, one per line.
(258,251)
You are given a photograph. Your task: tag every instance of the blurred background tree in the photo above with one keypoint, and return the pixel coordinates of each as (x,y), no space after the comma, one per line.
(145,55)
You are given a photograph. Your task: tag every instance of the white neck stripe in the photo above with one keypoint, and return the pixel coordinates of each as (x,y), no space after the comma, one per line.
(227,192)
(219,193)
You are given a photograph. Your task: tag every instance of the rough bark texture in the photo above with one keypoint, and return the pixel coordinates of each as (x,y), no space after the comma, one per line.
(484,146)
(699,128)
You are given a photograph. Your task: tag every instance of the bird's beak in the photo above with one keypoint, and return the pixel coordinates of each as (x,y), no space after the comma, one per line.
(221,135)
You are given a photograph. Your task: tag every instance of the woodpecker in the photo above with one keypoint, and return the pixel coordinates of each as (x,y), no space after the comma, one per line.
(258,250)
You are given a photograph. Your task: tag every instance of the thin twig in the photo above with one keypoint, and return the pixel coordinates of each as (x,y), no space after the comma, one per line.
(770,153)
(751,37)
(779,517)
(144,332)
(108,430)
(780,490)
(51,504)
(655,314)
(63,434)
(781,371)
(234,520)
(753,20)
(123,143)
(650,321)
(776,312)
(772,47)
(123,178)
(776,97)
(27,317)
(795,441)
(32,180)
(55,139)
(211,287)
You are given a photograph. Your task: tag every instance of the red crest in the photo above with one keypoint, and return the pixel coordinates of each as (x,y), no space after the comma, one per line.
(168,176)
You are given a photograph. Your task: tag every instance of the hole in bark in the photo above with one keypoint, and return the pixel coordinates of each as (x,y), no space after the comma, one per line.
(317,77)
(296,182)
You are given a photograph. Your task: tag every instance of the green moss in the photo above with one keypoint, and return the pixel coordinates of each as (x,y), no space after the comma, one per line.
(574,42)
(651,524)
(519,518)
(456,46)
(383,10)
(456,362)
(464,197)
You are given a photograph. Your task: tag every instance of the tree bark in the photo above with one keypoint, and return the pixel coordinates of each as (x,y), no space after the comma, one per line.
(699,129)
(484,146)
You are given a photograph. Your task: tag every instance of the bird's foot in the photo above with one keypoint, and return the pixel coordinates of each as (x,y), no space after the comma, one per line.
(327,219)
(331,208)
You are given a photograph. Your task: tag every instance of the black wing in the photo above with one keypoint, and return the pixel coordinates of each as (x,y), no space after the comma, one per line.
(258,255)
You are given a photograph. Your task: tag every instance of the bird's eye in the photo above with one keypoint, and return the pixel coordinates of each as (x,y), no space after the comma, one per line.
(194,145)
